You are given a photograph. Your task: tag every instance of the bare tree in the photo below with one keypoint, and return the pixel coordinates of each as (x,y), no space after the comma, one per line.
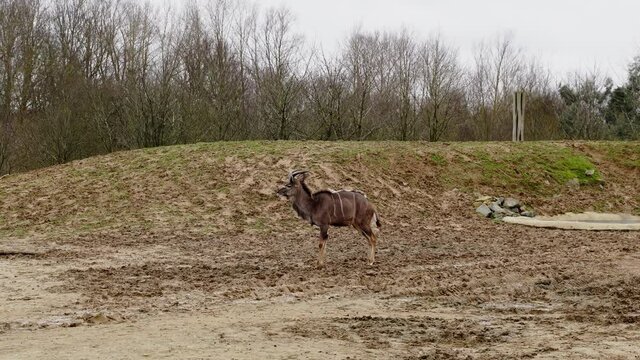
(70,68)
(147,72)
(107,100)
(585,97)
(83,77)
(328,90)
(225,83)
(543,102)
(493,79)
(359,57)
(243,27)
(441,87)
(8,44)
(279,70)
(405,74)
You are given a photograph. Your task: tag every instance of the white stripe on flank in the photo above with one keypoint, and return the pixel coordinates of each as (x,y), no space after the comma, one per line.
(334,207)
(341,207)
(354,207)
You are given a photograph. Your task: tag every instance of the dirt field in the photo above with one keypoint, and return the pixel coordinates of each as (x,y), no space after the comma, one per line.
(183,254)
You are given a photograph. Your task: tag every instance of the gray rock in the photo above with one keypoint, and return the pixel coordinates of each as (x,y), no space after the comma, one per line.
(511,213)
(589,172)
(496,208)
(484,210)
(601,184)
(500,201)
(528,213)
(484,198)
(573,183)
(511,203)
(500,212)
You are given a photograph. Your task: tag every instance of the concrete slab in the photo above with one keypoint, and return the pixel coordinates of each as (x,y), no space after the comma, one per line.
(584,221)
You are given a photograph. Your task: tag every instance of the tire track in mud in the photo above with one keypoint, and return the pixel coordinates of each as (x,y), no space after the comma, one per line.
(480,265)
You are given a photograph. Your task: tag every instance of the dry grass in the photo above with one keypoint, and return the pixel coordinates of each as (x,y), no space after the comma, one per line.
(224,187)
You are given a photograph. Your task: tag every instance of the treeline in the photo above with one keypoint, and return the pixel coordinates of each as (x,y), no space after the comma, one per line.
(85,77)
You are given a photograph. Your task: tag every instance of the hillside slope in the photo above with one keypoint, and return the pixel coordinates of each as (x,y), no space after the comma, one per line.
(230,187)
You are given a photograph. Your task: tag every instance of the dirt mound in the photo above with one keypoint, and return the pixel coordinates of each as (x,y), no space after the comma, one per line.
(228,187)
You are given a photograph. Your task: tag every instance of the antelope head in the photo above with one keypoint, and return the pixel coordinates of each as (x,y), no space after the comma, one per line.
(296,178)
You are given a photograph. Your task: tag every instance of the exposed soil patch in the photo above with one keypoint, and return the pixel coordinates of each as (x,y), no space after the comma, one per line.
(16,254)
(378,332)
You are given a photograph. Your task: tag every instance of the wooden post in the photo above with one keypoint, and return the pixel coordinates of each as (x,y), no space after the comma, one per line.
(518,116)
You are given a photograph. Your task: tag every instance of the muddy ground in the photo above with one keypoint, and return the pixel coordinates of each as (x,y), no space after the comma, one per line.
(447,288)
(189,256)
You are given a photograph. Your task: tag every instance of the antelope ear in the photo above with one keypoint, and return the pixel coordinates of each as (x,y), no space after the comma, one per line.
(294,174)
(303,175)
(298,175)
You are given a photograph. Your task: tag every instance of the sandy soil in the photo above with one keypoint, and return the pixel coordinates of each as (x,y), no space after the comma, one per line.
(447,288)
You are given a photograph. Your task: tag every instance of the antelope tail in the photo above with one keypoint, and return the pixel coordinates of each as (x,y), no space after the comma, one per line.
(378,225)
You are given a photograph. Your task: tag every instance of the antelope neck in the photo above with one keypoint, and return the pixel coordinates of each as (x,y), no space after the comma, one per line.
(303,204)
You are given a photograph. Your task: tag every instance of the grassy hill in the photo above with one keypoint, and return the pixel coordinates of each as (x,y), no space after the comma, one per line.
(230,187)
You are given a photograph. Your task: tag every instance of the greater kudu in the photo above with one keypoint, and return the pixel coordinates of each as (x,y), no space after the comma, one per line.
(326,208)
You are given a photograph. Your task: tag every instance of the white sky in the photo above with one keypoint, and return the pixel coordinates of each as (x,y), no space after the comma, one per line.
(566,35)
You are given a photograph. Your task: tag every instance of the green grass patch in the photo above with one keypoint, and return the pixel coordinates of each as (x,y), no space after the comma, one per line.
(535,168)
(438,160)
(627,156)
(17,232)
(570,166)
(259,225)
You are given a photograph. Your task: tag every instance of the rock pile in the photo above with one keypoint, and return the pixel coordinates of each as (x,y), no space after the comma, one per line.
(499,207)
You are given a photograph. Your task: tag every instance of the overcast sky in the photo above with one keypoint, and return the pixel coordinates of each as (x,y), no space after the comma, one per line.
(566,35)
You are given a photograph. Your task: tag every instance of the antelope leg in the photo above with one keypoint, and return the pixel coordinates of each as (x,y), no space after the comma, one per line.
(373,242)
(322,248)
(371,237)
